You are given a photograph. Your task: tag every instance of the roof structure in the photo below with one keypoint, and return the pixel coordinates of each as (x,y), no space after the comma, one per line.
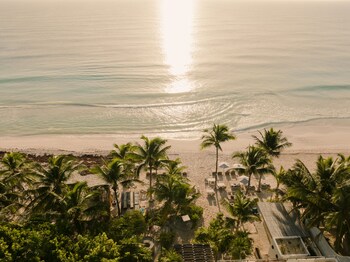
(279,222)
(195,252)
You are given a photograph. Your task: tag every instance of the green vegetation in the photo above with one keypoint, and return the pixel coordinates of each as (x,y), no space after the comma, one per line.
(151,155)
(241,209)
(223,240)
(324,195)
(46,216)
(253,161)
(272,141)
(214,137)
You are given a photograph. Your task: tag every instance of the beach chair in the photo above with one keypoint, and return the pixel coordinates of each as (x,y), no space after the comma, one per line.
(127,197)
(137,200)
(124,201)
(131,199)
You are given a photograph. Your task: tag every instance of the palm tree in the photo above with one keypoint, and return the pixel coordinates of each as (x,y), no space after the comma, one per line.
(253,161)
(278,175)
(114,173)
(15,172)
(214,137)
(82,205)
(241,209)
(122,151)
(48,191)
(175,192)
(14,178)
(338,218)
(174,167)
(241,246)
(124,154)
(322,195)
(272,141)
(150,154)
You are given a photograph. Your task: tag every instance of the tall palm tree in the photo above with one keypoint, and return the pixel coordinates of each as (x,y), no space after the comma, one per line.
(48,191)
(124,154)
(14,171)
(323,195)
(122,151)
(253,161)
(175,192)
(174,167)
(83,205)
(272,141)
(150,154)
(114,173)
(14,178)
(214,137)
(278,175)
(241,209)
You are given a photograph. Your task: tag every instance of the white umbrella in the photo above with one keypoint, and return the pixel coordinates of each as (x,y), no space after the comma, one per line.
(238,166)
(243,179)
(224,165)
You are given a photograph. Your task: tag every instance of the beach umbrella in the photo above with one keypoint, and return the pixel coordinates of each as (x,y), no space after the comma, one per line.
(223,165)
(238,166)
(243,179)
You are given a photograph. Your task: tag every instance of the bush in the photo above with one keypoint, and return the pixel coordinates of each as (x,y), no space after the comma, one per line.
(131,224)
(166,239)
(194,212)
(170,256)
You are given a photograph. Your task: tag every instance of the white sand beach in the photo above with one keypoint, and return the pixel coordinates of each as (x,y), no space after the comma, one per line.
(309,141)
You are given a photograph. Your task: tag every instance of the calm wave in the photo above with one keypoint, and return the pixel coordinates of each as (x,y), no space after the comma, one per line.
(170,67)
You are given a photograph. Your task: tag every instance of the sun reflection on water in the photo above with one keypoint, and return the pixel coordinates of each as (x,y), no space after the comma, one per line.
(177,40)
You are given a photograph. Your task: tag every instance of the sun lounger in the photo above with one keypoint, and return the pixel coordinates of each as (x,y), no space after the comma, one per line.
(124,201)
(131,199)
(127,197)
(137,200)
(210,181)
(221,185)
(235,186)
(210,192)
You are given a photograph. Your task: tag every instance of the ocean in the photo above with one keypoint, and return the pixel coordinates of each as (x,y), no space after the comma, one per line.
(170,67)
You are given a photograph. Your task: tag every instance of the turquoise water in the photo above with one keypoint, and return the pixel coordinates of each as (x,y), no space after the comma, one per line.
(170,67)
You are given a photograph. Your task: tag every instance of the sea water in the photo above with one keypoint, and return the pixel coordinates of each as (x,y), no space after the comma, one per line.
(170,67)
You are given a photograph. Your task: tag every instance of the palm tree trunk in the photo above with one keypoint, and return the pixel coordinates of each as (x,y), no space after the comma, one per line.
(216,178)
(150,181)
(238,225)
(277,187)
(259,185)
(248,186)
(117,200)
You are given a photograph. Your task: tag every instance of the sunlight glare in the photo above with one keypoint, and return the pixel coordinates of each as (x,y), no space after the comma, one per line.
(177,39)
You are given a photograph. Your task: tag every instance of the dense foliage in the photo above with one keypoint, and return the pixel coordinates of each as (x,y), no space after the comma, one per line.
(77,222)
(46,216)
(323,195)
(223,240)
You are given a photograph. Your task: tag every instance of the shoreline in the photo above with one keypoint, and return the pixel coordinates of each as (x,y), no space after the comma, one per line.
(316,137)
(309,141)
